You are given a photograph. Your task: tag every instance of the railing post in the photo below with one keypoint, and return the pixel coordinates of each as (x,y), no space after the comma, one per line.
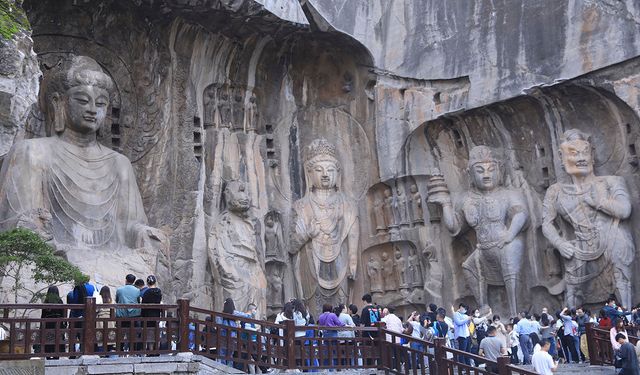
(440,355)
(289,342)
(89,335)
(382,357)
(592,345)
(183,317)
(503,363)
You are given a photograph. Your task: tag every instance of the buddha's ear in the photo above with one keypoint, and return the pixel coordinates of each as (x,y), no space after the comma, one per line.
(59,113)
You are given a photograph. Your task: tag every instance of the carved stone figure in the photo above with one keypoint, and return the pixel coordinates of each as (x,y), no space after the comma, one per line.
(599,254)
(83,193)
(374,271)
(415,269)
(224,116)
(388,272)
(417,214)
(233,252)
(401,206)
(431,268)
(389,210)
(251,114)
(401,267)
(274,243)
(211,115)
(379,214)
(498,215)
(326,227)
(274,282)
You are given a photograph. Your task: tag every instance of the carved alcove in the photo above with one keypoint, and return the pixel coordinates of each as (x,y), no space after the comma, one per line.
(525,130)
(395,274)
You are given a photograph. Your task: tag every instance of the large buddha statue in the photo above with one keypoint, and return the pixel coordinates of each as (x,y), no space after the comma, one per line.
(598,248)
(78,194)
(327,230)
(498,215)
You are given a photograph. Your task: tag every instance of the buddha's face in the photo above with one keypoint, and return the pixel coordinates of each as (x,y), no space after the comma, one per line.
(485,175)
(86,108)
(324,174)
(237,198)
(577,157)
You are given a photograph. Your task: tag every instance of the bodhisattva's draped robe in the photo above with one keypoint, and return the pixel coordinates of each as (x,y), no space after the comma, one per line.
(92,196)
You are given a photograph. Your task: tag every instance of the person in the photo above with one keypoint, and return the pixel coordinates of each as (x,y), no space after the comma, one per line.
(329,319)
(105,314)
(491,348)
(393,324)
(603,320)
(354,315)
(582,318)
(501,330)
(480,323)
(542,361)
(433,312)
(139,283)
(628,360)
(127,294)
(441,328)
(53,296)
(548,332)
(568,338)
(461,322)
(152,295)
(611,310)
(346,319)
(525,328)
(617,329)
(370,315)
(228,352)
(514,341)
(301,316)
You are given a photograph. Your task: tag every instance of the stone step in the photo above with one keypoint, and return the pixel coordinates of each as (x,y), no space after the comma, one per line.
(580,368)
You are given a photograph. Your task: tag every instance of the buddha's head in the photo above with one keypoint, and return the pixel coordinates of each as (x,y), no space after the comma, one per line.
(322,166)
(576,153)
(484,168)
(76,96)
(236,197)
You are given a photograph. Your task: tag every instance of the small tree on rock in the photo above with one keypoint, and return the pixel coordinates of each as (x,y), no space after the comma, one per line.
(24,254)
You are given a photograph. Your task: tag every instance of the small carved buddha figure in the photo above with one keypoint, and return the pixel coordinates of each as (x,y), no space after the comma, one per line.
(233,252)
(598,256)
(74,191)
(375,276)
(327,229)
(498,215)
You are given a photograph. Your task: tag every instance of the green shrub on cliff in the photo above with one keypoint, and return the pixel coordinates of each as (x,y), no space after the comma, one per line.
(23,254)
(12,19)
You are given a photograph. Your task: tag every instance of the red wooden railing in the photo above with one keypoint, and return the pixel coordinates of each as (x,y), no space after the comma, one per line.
(600,346)
(236,341)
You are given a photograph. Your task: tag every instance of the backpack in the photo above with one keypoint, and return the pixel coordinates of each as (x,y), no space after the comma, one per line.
(374,315)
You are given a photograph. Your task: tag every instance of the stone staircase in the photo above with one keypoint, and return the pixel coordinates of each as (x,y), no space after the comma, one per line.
(582,369)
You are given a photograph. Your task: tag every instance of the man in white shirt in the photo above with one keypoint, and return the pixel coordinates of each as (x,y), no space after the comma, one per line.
(542,361)
(393,324)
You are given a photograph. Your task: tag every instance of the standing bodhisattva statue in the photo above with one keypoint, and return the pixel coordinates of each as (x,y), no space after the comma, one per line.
(234,255)
(596,208)
(79,194)
(327,230)
(498,215)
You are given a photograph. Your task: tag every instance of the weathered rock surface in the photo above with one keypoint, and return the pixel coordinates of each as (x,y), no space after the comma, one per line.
(212,91)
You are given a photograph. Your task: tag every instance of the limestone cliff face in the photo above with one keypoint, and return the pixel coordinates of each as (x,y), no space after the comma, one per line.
(19,72)
(212,91)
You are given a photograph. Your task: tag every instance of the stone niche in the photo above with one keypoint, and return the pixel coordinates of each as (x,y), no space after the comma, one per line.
(526,130)
(211,92)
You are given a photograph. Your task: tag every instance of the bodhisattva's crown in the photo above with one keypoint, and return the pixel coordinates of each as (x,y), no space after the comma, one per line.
(482,154)
(320,149)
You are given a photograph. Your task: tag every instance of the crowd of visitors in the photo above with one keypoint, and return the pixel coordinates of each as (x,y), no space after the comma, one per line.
(135,291)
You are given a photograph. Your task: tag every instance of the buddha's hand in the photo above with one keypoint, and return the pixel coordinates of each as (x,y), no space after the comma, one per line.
(566,249)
